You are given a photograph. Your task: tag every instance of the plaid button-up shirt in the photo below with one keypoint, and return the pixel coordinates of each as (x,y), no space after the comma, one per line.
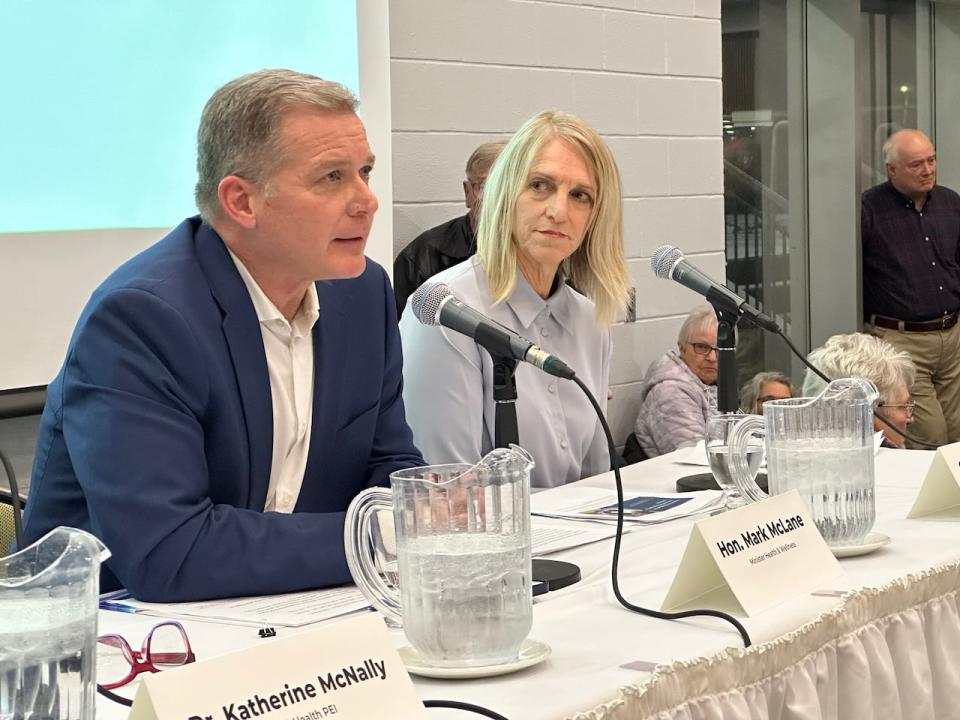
(911,270)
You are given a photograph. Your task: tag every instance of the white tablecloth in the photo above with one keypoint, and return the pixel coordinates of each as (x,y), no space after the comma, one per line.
(599,647)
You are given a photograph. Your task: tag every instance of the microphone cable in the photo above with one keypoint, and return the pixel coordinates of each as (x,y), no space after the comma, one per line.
(877,415)
(614,571)
(468,707)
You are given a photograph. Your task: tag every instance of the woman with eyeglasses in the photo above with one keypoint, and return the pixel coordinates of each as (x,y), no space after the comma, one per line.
(679,391)
(891,370)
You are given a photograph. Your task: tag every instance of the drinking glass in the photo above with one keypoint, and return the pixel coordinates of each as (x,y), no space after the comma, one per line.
(719,428)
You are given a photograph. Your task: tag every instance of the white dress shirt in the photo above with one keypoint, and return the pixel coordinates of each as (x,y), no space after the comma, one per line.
(289,350)
(448,380)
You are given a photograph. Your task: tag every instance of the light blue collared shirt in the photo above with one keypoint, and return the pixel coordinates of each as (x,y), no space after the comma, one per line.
(448,380)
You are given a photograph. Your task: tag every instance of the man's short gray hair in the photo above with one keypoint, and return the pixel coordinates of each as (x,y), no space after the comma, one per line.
(700,315)
(239,131)
(750,392)
(866,356)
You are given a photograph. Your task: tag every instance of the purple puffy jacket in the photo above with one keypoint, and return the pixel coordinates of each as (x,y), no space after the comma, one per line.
(674,406)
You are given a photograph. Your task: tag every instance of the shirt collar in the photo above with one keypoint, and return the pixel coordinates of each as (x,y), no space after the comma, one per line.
(527,305)
(908,200)
(267,312)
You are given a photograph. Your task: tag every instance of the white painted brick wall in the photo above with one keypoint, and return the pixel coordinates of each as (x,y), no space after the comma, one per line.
(645,73)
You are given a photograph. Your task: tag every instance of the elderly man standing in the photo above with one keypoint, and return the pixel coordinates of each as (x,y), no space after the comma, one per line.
(679,392)
(910,230)
(449,243)
(222,401)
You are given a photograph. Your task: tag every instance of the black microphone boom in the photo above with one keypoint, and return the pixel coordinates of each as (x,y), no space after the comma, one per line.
(435,304)
(669,263)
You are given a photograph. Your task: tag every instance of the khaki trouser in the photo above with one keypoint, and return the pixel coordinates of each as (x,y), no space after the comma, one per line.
(936,392)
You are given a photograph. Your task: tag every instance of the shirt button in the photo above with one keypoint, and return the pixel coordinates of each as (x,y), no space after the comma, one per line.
(563,443)
(552,387)
(278,323)
(941,287)
(302,426)
(544,332)
(934,264)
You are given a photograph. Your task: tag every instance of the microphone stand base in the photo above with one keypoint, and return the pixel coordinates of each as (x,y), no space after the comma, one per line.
(555,574)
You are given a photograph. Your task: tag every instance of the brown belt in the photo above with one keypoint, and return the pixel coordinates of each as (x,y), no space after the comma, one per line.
(944,323)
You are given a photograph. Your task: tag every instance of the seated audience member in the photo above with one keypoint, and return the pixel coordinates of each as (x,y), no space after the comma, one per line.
(679,391)
(219,407)
(452,242)
(763,387)
(551,221)
(891,370)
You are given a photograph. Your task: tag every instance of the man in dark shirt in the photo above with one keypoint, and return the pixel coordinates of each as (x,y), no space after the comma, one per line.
(452,242)
(910,229)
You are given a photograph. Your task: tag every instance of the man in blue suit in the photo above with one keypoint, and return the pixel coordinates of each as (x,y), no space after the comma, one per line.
(228,391)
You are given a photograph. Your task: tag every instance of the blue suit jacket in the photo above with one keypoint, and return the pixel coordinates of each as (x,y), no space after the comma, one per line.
(157,433)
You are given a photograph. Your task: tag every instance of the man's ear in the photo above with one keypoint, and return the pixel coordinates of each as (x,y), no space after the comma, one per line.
(236,197)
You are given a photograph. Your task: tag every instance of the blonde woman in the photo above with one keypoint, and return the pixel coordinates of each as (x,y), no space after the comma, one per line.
(550,266)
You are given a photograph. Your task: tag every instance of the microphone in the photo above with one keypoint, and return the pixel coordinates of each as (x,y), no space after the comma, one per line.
(669,263)
(435,304)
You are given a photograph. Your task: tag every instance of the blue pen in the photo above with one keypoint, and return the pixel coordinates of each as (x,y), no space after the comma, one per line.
(117,607)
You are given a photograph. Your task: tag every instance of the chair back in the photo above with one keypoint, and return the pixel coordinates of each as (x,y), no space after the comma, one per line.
(8,528)
(632,451)
(10,512)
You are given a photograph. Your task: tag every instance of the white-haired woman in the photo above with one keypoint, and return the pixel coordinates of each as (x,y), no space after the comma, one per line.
(550,266)
(866,356)
(679,391)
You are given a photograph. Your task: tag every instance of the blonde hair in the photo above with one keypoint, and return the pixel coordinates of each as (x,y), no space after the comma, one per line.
(597,268)
(239,131)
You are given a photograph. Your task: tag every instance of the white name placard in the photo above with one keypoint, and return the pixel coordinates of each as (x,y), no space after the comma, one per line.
(349,670)
(939,496)
(751,559)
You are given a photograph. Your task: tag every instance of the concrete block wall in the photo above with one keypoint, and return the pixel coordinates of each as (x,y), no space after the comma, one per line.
(645,73)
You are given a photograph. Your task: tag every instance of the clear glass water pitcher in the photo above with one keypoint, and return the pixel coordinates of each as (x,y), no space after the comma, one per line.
(823,448)
(463,557)
(48,627)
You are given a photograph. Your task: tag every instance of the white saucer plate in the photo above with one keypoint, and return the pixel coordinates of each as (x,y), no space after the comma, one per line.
(873,541)
(531,653)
